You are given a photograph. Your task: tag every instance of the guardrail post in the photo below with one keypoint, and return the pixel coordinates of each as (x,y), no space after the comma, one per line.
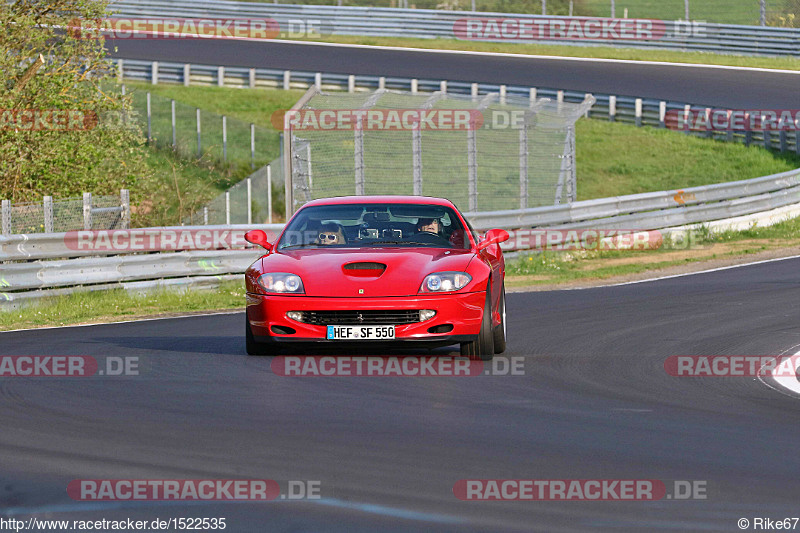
(5,207)
(252,146)
(154,73)
(220,76)
(662,114)
(766,134)
(227,208)
(687,119)
(318,81)
(709,126)
(87,211)
(532,96)
(48,214)
(748,132)
(199,145)
(443,86)
(120,70)
(782,135)
(351,83)
(251,78)
(473,91)
(638,112)
(269,194)
(249,201)
(287,79)
(612,108)
(224,138)
(125,203)
(174,132)
(502,94)
(796,138)
(205,216)
(414,85)
(382,82)
(187,74)
(149,119)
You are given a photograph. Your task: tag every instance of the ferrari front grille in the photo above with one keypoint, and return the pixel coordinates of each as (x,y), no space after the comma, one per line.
(355,318)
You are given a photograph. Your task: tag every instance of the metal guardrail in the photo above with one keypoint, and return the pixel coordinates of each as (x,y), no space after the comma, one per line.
(429,24)
(619,108)
(27,275)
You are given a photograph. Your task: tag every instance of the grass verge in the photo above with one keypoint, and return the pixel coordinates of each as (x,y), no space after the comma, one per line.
(118,304)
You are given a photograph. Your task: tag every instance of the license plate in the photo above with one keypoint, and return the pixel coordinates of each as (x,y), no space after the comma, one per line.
(360,332)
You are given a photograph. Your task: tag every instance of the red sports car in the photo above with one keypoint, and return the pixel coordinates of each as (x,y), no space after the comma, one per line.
(378,269)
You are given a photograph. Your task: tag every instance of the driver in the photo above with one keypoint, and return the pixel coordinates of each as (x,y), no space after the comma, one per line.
(330,234)
(429,225)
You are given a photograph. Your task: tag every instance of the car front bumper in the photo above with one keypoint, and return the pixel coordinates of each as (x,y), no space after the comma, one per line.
(463,311)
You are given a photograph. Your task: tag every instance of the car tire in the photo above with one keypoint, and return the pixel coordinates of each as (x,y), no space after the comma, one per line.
(253,347)
(483,347)
(500,330)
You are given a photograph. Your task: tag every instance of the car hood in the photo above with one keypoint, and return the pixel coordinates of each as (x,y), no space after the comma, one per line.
(323,272)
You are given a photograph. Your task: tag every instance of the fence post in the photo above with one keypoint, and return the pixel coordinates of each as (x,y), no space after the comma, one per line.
(187,74)
(523,165)
(638,112)
(612,108)
(174,133)
(662,114)
(351,83)
(220,76)
(269,194)
(308,167)
(358,153)
(416,149)
(249,201)
(149,119)
(87,211)
(224,138)
(287,79)
(252,146)
(205,216)
(5,206)
(613,9)
(252,78)
(154,73)
(48,214)
(120,70)
(125,203)
(199,145)
(227,208)
(472,168)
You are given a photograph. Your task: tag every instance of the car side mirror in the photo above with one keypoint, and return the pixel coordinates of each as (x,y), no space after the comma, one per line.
(493,236)
(258,237)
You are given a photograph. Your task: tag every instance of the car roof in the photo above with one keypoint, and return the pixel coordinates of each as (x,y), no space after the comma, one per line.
(425,200)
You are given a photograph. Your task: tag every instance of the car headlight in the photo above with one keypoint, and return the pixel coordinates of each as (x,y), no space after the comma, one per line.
(445,282)
(281,282)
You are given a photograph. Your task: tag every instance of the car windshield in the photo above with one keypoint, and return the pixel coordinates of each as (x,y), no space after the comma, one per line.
(375,225)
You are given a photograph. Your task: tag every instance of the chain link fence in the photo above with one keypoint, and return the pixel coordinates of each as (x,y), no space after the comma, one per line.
(196,133)
(258,199)
(484,153)
(66,214)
